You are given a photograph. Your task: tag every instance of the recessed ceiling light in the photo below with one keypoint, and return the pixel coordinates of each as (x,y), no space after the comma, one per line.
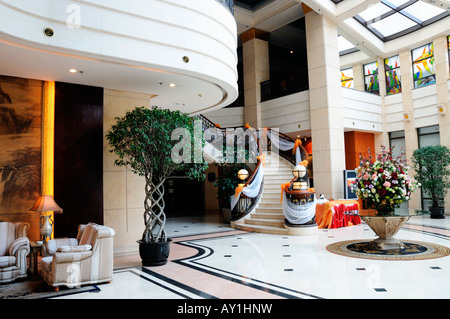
(172,85)
(72,70)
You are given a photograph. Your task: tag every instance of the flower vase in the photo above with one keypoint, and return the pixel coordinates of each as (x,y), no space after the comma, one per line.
(385,227)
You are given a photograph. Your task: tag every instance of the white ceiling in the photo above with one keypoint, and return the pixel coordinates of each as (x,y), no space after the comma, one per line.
(191,94)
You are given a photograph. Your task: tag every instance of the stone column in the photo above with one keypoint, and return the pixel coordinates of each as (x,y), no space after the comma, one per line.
(255,50)
(383,137)
(442,76)
(327,130)
(411,139)
(358,77)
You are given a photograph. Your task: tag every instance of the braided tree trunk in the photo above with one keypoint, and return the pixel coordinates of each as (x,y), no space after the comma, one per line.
(154,216)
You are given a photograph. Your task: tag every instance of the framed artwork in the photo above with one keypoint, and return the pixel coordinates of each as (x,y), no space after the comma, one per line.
(20,140)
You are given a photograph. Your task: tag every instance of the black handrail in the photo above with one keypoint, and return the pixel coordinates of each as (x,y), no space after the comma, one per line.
(244,204)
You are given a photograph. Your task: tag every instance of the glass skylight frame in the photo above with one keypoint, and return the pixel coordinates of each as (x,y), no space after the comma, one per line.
(391,11)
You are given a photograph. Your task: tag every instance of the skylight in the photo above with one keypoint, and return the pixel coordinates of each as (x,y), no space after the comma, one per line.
(345,46)
(391,19)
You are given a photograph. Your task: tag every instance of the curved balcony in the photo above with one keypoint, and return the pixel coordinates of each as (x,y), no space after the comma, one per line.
(138,45)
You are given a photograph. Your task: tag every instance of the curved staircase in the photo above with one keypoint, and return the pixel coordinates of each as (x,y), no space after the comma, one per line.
(268,216)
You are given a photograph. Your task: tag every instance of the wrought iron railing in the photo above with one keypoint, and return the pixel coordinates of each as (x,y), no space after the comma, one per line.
(244,203)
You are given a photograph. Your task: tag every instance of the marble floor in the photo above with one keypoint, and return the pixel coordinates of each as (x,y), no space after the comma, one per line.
(210,260)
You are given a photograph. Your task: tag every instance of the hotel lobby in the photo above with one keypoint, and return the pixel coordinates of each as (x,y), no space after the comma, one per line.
(334,78)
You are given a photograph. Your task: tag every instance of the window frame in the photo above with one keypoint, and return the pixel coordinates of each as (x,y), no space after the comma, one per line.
(375,75)
(420,60)
(392,70)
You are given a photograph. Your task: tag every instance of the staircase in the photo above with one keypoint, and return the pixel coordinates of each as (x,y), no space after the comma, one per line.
(268,216)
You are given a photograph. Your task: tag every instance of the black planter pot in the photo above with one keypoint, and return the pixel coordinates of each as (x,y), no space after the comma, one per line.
(437,212)
(154,254)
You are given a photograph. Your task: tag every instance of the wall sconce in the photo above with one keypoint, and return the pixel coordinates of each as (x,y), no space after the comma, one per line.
(406,116)
(442,109)
(44,205)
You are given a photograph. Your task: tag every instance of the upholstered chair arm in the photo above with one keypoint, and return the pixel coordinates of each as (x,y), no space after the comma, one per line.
(52,245)
(19,243)
(74,249)
(105,232)
(60,257)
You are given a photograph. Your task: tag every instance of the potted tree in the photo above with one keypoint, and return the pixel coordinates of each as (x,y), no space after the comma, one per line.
(432,167)
(144,140)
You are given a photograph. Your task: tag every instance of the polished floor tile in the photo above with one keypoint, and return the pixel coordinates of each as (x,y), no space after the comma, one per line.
(210,260)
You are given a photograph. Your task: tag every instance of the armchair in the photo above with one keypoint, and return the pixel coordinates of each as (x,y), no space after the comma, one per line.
(88,259)
(14,248)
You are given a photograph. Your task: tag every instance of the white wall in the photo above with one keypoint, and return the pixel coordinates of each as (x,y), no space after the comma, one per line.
(393,108)
(362,111)
(227,117)
(424,103)
(288,113)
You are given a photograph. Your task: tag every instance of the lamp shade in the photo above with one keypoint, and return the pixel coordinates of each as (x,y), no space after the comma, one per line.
(299,171)
(242,174)
(46,203)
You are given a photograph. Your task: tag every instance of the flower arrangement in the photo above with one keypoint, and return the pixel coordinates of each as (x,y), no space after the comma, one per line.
(384,184)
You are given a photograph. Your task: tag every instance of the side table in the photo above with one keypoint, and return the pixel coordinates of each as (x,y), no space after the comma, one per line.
(33,265)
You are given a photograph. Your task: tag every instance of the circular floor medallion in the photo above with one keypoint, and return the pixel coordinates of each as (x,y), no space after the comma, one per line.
(413,250)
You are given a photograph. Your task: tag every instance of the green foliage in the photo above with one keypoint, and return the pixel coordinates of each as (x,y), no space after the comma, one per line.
(432,167)
(226,183)
(142,141)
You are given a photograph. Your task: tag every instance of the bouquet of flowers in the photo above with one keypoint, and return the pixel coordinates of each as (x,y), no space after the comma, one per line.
(384,184)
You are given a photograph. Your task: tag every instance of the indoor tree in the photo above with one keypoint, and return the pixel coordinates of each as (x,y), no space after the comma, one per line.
(144,140)
(432,167)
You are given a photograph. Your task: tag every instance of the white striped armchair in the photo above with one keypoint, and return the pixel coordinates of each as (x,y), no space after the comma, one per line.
(88,259)
(14,248)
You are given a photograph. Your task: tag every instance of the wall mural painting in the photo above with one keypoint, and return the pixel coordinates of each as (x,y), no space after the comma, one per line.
(20,145)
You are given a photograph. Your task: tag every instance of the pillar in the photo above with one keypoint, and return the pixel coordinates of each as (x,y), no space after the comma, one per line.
(255,51)
(442,75)
(327,130)
(411,139)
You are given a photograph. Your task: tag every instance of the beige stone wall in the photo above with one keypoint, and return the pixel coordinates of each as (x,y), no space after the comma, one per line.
(123,191)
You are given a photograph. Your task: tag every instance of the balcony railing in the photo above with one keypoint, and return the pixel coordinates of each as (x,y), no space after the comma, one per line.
(227,4)
(282,86)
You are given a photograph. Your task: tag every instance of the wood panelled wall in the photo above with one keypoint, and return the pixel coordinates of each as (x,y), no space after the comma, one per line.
(78,167)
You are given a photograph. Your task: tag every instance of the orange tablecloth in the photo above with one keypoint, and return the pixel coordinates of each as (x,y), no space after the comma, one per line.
(331,214)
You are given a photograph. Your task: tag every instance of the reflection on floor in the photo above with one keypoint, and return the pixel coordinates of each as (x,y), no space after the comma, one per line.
(211,260)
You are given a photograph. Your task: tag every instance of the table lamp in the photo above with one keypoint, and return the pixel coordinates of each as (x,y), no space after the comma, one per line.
(43,205)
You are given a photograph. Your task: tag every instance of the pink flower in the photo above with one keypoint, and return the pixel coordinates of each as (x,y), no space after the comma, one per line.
(387,184)
(366,176)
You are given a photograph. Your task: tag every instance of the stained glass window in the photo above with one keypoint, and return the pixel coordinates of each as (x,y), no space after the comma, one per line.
(392,69)
(347,78)
(423,66)
(371,78)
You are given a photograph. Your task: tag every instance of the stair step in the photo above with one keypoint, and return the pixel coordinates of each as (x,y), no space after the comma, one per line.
(269,204)
(269,210)
(267,216)
(265,222)
(277,179)
(261,229)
